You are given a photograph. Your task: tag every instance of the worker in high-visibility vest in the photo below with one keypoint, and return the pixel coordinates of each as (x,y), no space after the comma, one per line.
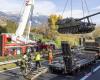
(37,59)
(23,61)
(50,56)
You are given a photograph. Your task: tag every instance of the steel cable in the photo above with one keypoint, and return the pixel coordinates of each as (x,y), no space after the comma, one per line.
(65,7)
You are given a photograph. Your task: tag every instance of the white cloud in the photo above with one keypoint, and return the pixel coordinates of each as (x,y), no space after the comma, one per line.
(79,14)
(9,6)
(75,13)
(96,8)
(45,7)
(96,19)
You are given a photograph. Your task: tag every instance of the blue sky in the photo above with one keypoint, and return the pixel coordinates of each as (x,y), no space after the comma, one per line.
(48,7)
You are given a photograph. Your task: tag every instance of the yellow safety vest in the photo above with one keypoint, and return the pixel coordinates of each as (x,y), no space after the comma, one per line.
(37,57)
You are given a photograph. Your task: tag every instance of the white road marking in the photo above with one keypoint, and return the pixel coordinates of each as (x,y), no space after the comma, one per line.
(86,76)
(39,73)
(90,73)
(9,69)
(8,62)
(97,68)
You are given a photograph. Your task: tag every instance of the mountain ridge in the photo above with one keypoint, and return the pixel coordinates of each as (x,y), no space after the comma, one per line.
(36,19)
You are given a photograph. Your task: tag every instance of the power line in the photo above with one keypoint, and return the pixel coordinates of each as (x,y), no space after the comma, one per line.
(87,8)
(71,3)
(65,7)
(82,7)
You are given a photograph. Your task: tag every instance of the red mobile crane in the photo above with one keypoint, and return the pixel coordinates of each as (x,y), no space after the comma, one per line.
(13,43)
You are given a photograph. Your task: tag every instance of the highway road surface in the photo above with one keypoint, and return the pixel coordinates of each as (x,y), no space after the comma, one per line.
(90,73)
(11,75)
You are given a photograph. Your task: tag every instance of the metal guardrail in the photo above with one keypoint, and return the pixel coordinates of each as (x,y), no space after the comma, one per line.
(8,62)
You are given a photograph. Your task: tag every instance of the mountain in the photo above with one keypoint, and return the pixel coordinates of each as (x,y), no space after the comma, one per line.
(39,20)
(7,24)
(3,19)
(36,20)
(2,14)
(5,16)
(8,21)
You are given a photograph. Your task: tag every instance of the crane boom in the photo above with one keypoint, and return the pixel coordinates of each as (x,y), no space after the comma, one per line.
(25,17)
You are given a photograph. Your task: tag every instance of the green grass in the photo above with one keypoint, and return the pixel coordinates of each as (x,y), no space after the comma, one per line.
(7,58)
(7,66)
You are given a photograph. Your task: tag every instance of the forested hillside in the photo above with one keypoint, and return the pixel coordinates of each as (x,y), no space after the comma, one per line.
(8,27)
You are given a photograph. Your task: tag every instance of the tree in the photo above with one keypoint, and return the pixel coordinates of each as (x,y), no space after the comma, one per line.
(3,30)
(53,20)
(52,25)
(96,33)
(11,26)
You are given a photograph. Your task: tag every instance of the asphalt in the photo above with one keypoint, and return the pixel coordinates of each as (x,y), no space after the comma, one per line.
(94,76)
(11,75)
(89,73)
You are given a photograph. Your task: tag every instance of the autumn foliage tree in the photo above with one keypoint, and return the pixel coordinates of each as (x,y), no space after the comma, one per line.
(96,33)
(10,27)
(52,21)
(52,25)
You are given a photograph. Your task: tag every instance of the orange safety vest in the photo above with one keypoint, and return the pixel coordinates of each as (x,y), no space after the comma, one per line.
(50,55)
